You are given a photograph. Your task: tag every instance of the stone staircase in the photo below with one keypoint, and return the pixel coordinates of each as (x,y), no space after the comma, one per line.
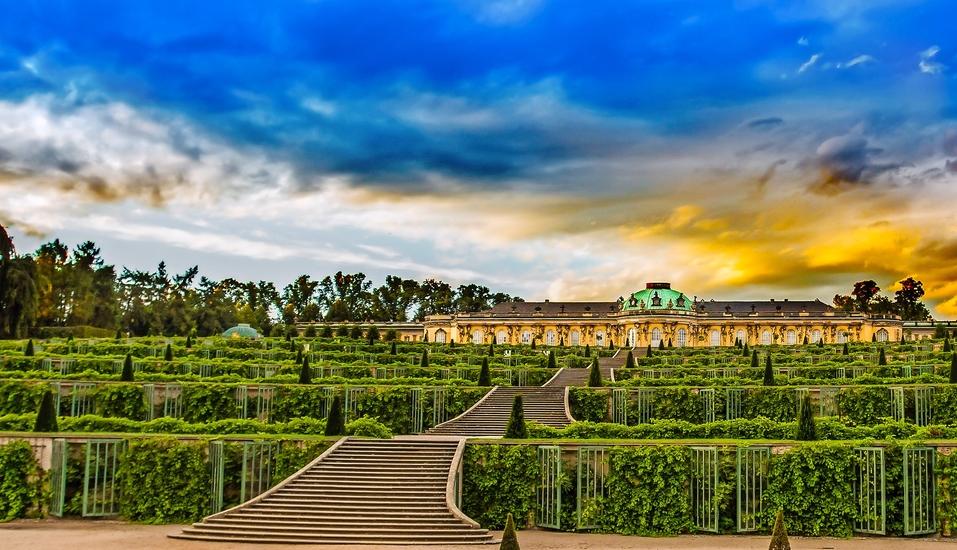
(360,491)
(579,377)
(489,417)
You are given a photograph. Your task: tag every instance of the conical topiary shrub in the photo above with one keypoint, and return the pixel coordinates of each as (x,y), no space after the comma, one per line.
(305,372)
(119,335)
(846,349)
(630,361)
(806,428)
(820,342)
(336,421)
(509,538)
(491,350)
(779,536)
(373,334)
(168,354)
(326,331)
(594,375)
(587,350)
(953,368)
(299,356)
(485,375)
(127,374)
(648,351)
(516,422)
(46,416)
(947,346)
(882,358)
(551,360)
(424,360)
(747,350)
(768,372)
(189,342)
(661,344)
(393,349)
(754,359)
(805,340)
(29,352)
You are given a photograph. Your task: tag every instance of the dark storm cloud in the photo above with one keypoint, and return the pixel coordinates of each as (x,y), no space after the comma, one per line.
(764,123)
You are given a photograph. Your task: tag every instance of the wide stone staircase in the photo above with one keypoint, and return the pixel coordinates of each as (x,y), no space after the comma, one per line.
(361,491)
(579,377)
(489,417)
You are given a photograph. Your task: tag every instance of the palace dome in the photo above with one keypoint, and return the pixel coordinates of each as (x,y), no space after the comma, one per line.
(657,297)
(241,331)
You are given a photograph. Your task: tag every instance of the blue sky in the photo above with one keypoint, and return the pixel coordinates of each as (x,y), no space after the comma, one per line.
(559,149)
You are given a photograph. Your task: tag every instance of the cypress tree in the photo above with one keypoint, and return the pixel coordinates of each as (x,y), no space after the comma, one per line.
(119,335)
(587,351)
(902,337)
(820,342)
(127,374)
(594,375)
(299,356)
(630,361)
(610,343)
(754,359)
(392,349)
(779,537)
(533,343)
(806,428)
(947,346)
(305,373)
(510,540)
(311,331)
(516,422)
(746,351)
(46,416)
(189,341)
(356,332)
(342,331)
(768,373)
(28,352)
(452,343)
(669,343)
(873,337)
(551,360)
(661,344)
(882,359)
(168,353)
(805,339)
(372,334)
(336,422)
(491,350)
(326,331)
(485,375)
(648,351)
(846,349)
(953,368)
(561,341)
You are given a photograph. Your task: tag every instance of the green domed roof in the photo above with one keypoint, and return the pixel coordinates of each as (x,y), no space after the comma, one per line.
(657,297)
(241,331)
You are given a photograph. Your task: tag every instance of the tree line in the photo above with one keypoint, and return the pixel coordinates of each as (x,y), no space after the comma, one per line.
(866,298)
(59,287)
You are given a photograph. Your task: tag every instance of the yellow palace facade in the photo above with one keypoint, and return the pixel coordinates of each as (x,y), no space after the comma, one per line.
(660,315)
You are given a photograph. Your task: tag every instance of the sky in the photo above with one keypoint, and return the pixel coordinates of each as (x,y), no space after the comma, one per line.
(550,149)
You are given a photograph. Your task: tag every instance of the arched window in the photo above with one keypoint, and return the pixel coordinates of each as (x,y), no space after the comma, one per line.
(740,336)
(841,337)
(526,337)
(631,338)
(682,337)
(815,336)
(791,337)
(501,337)
(549,337)
(575,338)
(599,338)
(655,337)
(715,338)
(440,336)
(765,337)
(882,335)
(477,336)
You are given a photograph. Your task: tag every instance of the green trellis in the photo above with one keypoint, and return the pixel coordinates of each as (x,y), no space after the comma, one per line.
(871,491)
(592,472)
(100,486)
(752,464)
(548,513)
(920,491)
(704,488)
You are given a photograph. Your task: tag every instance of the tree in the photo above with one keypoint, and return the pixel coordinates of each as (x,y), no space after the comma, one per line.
(424,361)
(947,346)
(356,332)
(516,428)
(326,331)
(779,536)
(648,351)
(311,331)
(336,421)
(392,301)
(28,352)
(168,354)
(342,331)
(863,293)
(298,355)
(551,360)
(393,349)
(907,299)
(46,416)
(305,372)
(189,342)
(372,334)
(805,340)
(882,358)
(661,344)
(746,351)
(846,349)
(485,376)
(587,350)
(630,361)
(594,375)
(510,539)
(953,368)
(820,342)
(806,427)
(754,359)
(940,331)
(768,372)
(127,374)
(491,350)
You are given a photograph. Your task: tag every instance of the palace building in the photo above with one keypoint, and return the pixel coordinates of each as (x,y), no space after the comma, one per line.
(659,314)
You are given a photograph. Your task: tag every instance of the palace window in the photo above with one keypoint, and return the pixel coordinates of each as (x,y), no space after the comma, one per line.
(549,337)
(740,336)
(501,337)
(599,337)
(440,336)
(477,336)
(715,338)
(526,337)
(841,337)
(631,338)
(815,336)
(882,335)
(791,337)
(575,338)
(765,337)
(655,337)
(682,337)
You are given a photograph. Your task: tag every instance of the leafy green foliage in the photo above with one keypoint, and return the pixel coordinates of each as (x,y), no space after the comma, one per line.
(499,480)
(293,456)
(640,481)
(164,481)
(806,427)
(368,427)
(516,428)
(120,400)
(588,405)
(20,480)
